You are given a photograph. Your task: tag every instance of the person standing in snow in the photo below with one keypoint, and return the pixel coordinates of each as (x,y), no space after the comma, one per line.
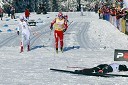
(104,68)
(27,13)
(25,33)
(1,13)
(9,10)
(12,12)
(60,26)
(81,10)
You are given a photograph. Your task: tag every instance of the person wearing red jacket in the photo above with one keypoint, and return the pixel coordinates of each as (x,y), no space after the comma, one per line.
(1,13)
(27,13)
(60,26)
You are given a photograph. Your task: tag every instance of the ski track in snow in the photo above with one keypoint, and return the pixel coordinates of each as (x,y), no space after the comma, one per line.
(84,43)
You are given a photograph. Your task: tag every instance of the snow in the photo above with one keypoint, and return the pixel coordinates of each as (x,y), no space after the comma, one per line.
(88,42)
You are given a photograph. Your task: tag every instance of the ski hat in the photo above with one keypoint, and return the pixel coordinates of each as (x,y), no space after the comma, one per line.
(60,14)
(21,17)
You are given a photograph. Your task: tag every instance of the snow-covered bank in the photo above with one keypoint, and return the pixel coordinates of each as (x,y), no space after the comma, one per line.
(107,35)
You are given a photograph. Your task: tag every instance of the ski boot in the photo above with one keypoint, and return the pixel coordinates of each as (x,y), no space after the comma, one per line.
(56,50)
(21,50)
(28,48)
(61,49)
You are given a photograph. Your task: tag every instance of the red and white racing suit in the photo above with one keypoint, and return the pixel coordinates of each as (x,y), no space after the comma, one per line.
(59,25)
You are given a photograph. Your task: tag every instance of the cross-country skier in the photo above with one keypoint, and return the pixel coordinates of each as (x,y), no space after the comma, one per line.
(104,68)
(60,26)
(25,33)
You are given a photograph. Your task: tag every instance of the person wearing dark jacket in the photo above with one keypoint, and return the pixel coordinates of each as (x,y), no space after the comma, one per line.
(12,12)
(104,68)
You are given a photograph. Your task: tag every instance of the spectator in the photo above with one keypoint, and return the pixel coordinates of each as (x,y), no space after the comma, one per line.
(12,12)
(118,18)
(9,11)
(100,12)
(1,13)
(27,13)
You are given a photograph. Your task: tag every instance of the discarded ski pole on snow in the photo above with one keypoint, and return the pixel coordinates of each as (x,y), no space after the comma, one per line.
(76,67)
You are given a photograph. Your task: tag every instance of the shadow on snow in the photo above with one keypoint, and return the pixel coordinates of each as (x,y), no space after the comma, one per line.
(36,47)
(70,48)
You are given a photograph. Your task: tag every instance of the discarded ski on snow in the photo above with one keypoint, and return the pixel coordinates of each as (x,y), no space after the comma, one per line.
(91,74)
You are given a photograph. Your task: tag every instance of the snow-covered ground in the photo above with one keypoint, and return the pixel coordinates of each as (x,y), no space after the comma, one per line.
(88,42)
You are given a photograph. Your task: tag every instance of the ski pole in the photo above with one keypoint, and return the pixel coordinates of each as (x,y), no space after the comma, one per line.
(77,67)
(70,23)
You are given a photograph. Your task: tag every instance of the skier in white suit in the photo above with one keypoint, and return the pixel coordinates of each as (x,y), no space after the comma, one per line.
(25,33)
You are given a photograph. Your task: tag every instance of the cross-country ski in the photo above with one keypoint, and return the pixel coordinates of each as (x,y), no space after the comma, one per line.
(89,74)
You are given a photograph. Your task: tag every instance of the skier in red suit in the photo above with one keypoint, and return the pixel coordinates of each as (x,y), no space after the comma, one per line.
(59,25)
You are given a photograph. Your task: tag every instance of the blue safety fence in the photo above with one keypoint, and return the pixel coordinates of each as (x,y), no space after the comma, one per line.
(7,19)
(0,30)
(5,25)
(9,30)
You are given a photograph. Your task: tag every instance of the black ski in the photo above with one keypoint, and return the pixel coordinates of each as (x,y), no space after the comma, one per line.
(91,74)
(73,72)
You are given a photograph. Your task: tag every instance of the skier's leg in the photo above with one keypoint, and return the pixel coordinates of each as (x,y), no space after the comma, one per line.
(102,68)
(21,49)
(56,40)
(28,45)
(22,41)
(14,16)
(107,69)
(28,41)
(98,68)
(11,16)
(61,40)
(85,71)
(102,65)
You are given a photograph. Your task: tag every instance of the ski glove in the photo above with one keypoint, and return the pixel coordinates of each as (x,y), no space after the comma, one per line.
(64,30)
(18,33)
(51,27)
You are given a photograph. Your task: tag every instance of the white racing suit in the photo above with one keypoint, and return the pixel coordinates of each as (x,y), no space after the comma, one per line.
(25,34)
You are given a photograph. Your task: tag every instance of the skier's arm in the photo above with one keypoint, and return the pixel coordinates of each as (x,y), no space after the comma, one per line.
(18,29)
(26,25)
(65,26)
(54,21)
